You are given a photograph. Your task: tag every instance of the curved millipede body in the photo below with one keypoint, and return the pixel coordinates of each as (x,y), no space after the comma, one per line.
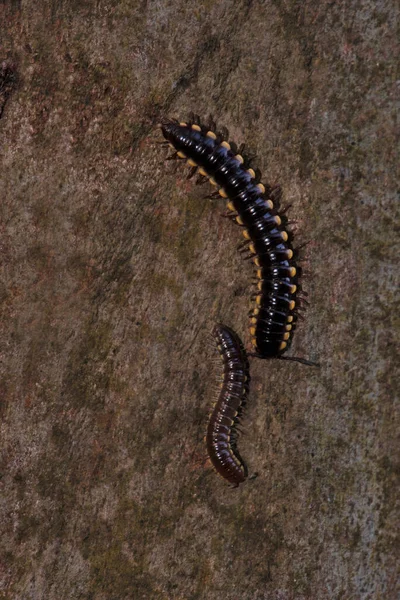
(221,434)
(267,242)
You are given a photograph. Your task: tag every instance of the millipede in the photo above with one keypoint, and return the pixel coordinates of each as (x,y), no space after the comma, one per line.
(267,242)
(221,437)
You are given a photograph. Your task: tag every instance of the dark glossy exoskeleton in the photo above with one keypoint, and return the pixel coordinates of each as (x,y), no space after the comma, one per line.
(221,433)
(267,242)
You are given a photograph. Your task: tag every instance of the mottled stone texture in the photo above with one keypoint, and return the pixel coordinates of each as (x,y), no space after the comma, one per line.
(114,269)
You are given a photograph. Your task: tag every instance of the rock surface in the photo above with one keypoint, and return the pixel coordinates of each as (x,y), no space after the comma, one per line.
(114,269)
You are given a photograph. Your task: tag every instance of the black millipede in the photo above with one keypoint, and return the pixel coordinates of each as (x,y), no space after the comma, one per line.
(267,242)
(221,434)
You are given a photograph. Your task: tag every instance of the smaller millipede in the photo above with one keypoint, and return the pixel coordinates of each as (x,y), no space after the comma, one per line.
(221,437)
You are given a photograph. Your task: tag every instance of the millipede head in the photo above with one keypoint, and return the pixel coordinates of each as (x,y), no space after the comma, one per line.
(169,127)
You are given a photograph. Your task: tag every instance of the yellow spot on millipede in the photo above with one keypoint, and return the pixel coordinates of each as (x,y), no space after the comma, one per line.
(239,158)
(183,124)
(284,236)
(253,320)
(226,145)
(292,271)
(254,342)
(212,181)
(246,234)
(290,319)
(181,154)
(252,331)
(292,304)
(293,288)
(222,193)
(239,221)
(289,253)
(212,135)
(286,335)
(288,327)
(259,285)
(202,172)
(278,220)
(196,127)
(191,163)
(259,299)
(252,249)
(282,346)
(261,187)
(251,173)
(259,273)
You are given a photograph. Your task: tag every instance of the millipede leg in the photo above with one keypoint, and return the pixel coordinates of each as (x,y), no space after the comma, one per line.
(224,133)
(228,214)
(212,196)
(285,208)
(211,124)
(303,361)
(243,245)
(192,172)
(276,193)
(302,246)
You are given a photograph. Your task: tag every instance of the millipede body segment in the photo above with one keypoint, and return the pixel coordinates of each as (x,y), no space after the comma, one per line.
(252,205)
(221,433)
